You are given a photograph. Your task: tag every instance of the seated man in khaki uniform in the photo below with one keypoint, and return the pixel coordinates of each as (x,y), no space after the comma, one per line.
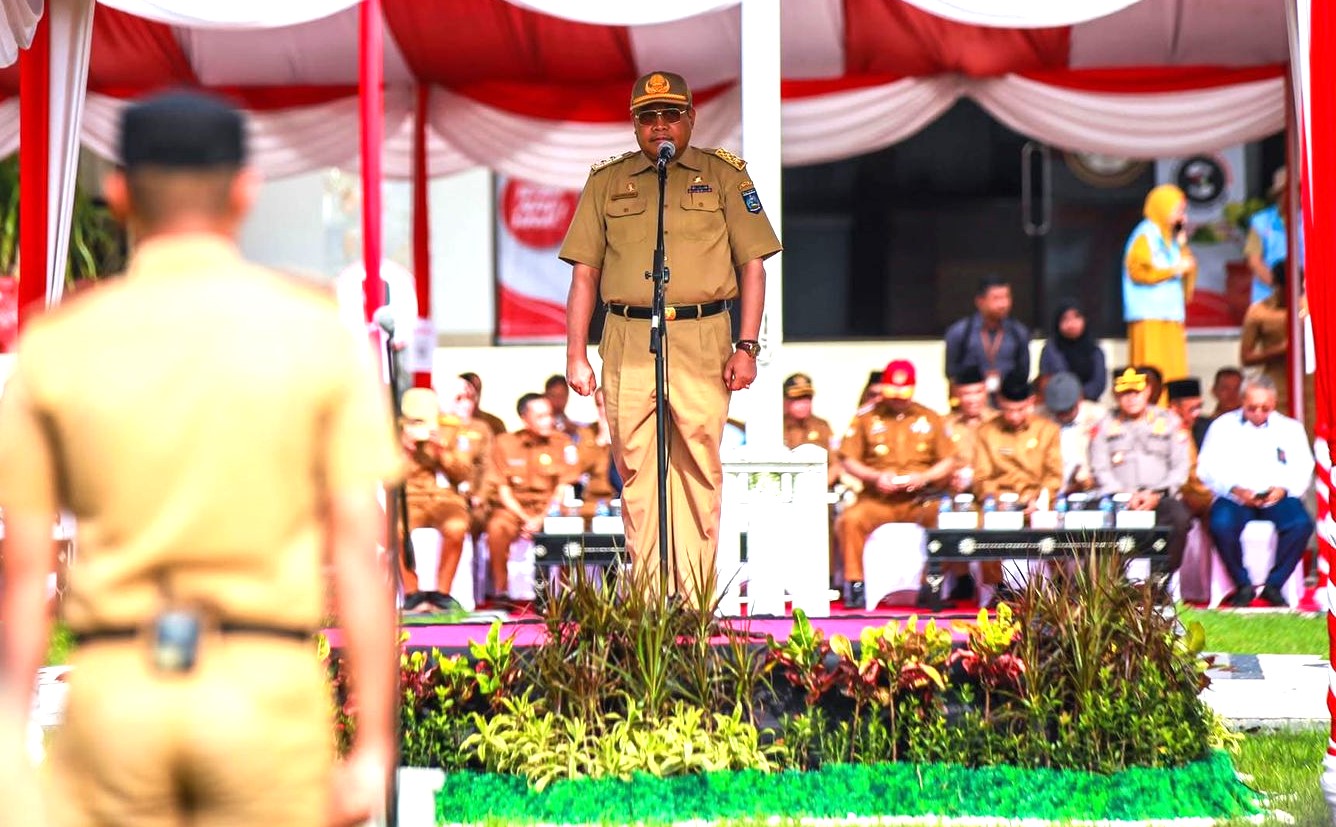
(530,470)
(1019,453)
(220,437)
(1185,399)
(441,460)
(598,473)
(802,427)
(902,453)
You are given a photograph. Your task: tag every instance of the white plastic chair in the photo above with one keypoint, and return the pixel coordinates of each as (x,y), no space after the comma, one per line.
(893,561)
(1259,554)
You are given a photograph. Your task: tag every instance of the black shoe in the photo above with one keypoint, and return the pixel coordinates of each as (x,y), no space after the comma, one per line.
(500,601)
(1243,597)
(1273,597)
(444,602)
(963,589)
(414,600)
(856,597)
(925,599)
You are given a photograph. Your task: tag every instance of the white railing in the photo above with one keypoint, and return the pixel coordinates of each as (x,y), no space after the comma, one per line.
(777,497)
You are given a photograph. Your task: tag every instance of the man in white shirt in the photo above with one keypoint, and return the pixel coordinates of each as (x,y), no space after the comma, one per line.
(1258,463)
(1077,418)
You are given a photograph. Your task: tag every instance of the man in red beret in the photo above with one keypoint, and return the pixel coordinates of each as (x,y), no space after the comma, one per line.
(903,453)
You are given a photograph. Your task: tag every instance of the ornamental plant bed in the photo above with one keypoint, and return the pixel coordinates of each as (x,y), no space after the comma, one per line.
(1078,699)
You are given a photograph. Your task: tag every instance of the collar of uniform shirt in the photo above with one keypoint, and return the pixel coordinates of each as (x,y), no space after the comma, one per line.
(171,253)
(690,158)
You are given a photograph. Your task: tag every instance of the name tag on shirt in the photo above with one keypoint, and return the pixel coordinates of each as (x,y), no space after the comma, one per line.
(1280,455)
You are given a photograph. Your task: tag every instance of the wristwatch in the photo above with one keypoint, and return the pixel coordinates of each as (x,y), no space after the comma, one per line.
(751,347)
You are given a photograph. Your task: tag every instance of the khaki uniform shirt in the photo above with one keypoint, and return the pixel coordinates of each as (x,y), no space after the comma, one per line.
(594,461)
(965,434)
(813,431)
(1021,461)
(492,421)
(713,223)
(1266,325)
(194,416)
(1196,496)
(907,443)
(1148,452)
(454,465)
(533,467)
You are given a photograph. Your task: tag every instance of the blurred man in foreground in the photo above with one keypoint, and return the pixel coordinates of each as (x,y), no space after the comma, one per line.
(220,447)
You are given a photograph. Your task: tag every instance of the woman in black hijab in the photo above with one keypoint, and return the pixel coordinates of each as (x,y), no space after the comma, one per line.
(1070,347)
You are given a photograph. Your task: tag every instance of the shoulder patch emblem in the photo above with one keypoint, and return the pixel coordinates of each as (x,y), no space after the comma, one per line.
(607,162)
(730,158)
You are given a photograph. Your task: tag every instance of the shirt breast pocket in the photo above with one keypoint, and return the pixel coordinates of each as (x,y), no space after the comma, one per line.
(702,216)
(625,219)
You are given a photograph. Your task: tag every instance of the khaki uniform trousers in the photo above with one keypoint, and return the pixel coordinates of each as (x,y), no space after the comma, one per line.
(243,740)
(868,514)
(503,528)
(448,515)
(697,410)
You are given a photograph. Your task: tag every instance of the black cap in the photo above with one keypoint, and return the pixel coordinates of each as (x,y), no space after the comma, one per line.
(1016,388)
(182,130)
(968,375)
(1189,388)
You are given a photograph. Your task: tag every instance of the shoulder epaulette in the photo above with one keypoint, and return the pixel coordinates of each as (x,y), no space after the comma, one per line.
(729,158)
(607,162)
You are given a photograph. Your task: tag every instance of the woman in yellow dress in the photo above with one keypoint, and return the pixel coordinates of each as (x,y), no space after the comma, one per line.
(1159,272)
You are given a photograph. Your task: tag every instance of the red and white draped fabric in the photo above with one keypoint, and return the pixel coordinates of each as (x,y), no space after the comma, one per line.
(537,89)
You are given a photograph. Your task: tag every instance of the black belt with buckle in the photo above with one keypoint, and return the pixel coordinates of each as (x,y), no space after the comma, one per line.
(673,311)
(130,633)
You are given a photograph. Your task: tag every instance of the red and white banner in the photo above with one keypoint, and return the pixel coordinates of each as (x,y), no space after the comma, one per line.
(531,282)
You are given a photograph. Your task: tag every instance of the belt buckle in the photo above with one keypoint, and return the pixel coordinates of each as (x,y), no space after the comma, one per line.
(670,312)
(175,639)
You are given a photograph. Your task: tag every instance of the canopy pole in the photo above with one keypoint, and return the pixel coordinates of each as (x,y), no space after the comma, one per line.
(1313,36)
(422,237)
(370,77)
(34,169)
(762,147)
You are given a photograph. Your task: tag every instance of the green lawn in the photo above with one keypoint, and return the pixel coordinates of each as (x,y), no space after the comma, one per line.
(1286,766)
(1261,633)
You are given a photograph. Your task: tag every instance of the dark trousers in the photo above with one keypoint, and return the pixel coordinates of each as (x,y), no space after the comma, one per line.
(1293,529)
(1172,513)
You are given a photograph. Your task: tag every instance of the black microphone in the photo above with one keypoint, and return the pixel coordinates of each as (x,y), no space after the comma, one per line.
(384,317)
(666,152)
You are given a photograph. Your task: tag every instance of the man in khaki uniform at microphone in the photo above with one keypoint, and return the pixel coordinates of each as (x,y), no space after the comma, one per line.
(717,237)
(219,436)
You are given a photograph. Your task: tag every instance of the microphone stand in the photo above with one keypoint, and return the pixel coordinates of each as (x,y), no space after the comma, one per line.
(658,345)
(397,510)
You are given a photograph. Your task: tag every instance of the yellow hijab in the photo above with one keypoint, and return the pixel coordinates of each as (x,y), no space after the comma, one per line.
(1160,205)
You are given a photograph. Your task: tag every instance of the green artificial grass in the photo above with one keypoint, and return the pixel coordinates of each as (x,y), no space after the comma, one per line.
(1286,766)
(1261,633)
(1207,788)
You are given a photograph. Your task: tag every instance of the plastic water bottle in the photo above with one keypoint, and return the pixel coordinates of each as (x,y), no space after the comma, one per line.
(1106,508)
(1061,507)
(944,505)
(554,510)
(603,510)
(989,504)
